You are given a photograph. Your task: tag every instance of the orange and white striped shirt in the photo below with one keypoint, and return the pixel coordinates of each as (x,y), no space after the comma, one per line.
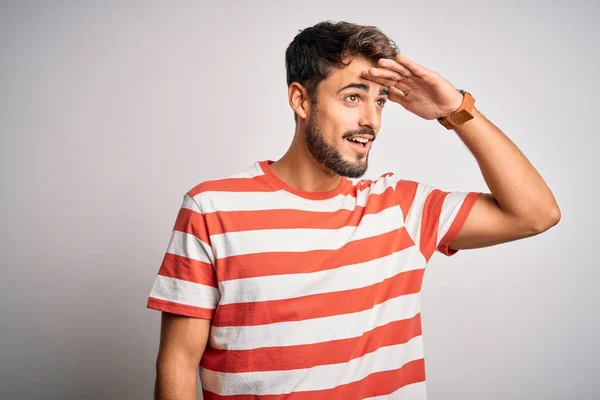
(312,295)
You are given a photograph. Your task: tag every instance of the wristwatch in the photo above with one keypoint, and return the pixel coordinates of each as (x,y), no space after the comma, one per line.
(462,115)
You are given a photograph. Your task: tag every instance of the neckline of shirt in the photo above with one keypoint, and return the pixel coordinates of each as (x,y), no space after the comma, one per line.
(275,180)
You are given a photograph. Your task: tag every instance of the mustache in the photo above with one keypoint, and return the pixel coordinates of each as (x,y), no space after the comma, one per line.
(364,131)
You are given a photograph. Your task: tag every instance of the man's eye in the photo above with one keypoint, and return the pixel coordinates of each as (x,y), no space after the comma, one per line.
(381,102)
(352,97)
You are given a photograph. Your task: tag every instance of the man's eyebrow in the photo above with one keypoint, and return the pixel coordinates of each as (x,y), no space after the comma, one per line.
(363,86)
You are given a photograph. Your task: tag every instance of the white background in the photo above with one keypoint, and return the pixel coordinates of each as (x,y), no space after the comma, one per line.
(111,111)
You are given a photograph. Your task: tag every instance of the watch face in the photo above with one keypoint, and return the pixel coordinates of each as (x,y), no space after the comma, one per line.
(461,117)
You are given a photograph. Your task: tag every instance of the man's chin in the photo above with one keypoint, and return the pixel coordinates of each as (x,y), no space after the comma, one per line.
(355,169)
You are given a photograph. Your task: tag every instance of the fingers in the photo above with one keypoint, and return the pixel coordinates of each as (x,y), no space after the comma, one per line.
(411,66)
(385,73)
(383,76)
(393,65)
(398,96)
(402,86)
(392,80)
(398,69)
(381,80)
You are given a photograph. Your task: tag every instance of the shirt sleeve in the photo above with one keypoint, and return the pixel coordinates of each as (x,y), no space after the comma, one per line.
(187,283)
(433,217)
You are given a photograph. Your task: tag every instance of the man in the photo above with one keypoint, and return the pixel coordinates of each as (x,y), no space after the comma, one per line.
(291,280)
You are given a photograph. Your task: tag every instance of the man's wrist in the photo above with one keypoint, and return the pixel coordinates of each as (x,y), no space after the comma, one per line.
(459,100)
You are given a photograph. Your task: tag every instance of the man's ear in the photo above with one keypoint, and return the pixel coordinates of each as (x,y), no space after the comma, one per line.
(299,99)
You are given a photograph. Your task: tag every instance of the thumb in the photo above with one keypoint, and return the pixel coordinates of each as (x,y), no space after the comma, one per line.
(397,95)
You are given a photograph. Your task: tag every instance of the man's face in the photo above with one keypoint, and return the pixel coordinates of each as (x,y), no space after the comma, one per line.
(347,107)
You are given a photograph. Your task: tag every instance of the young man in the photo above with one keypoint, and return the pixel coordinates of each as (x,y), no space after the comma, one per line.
(291,280)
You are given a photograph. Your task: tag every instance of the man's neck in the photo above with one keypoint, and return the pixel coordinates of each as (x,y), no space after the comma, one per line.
(299,169)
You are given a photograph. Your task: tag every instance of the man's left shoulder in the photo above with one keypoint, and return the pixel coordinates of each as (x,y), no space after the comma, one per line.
(377,185)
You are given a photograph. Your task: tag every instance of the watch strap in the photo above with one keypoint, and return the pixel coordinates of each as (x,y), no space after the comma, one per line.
(462,114)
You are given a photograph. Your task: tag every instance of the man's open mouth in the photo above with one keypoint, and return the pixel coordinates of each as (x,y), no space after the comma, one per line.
(360,144)
(359,140)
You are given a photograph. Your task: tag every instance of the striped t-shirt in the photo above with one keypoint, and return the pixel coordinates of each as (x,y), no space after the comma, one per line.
(312,295)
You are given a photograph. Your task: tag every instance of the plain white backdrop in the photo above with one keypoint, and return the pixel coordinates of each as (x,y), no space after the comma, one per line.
(111,111)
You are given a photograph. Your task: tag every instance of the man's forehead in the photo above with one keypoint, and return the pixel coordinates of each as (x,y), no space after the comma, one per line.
(341,78)
(349,77)
(352,70)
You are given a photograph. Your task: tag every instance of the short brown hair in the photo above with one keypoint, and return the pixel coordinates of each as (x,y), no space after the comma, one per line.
(315,50)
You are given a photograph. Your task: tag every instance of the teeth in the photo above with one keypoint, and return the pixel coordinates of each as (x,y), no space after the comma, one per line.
(361,140)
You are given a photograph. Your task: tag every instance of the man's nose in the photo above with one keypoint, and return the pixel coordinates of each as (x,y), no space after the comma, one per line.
(371,118)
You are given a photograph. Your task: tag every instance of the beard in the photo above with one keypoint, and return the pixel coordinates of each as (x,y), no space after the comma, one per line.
(330,157)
